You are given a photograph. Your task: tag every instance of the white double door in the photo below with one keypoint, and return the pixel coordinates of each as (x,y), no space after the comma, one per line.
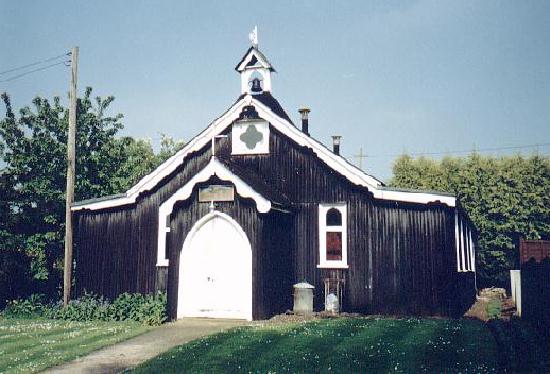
(215,277)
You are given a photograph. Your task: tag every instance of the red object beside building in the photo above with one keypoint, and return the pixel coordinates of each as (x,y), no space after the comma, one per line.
(536,249)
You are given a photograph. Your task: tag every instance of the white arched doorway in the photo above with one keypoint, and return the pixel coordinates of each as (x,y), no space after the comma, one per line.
(215,271)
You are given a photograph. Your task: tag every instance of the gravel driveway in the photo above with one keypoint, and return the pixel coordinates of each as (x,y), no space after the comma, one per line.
(132,352)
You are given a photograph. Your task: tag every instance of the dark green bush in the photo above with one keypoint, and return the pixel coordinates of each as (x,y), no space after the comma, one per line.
(494,309)
(15,278)
(31,307)
(523,348)
(153,309)
(146,309)
(89,307)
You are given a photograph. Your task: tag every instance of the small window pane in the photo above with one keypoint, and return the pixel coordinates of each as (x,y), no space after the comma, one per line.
(334,217)
(334,246)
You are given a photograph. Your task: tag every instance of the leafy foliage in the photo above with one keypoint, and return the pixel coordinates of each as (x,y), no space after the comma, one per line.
(523,348)
(146,309)
(494,309)
(168,147)
(32,307)
(505,197)
(15,277)
(32,179)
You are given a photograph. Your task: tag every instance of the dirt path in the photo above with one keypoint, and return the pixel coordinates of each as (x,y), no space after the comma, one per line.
(130,353)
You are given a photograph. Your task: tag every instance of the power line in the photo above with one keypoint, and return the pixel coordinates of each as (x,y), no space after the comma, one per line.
(460,151)
(34,63)
(33,71)
(483,149)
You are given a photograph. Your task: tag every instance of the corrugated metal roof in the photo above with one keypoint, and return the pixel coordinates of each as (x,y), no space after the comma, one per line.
(414,190)
(98,199)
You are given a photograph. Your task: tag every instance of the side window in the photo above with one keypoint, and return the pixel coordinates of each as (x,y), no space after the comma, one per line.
(334,217)
(334,246)
(333,236)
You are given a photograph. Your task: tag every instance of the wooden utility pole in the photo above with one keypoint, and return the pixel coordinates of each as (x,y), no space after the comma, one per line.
(360,156)
(67,271)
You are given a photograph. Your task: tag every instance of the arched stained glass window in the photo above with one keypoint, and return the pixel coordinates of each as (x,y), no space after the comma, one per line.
(334,217)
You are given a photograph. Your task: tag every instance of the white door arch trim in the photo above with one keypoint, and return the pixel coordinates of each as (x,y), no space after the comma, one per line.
(247,267)
(214,213)
(214,167)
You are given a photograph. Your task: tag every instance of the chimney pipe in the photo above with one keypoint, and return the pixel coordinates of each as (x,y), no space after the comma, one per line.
(305,123)
(336,144)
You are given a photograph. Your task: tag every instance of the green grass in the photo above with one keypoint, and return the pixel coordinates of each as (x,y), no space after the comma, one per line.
(494,309)
(339,345)
(523,345)
(31,345)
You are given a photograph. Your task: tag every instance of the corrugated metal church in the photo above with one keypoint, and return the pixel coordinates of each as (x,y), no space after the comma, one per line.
(253,205)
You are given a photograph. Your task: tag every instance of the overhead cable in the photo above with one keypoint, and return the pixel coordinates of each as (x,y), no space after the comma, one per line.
(473,150)
(34,63)
(33,71)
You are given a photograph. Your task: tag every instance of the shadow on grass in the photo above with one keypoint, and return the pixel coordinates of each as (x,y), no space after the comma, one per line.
(523,347)
(340,345)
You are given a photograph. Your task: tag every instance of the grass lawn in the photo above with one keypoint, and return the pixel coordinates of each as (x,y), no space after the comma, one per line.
(31,345)
(339,345)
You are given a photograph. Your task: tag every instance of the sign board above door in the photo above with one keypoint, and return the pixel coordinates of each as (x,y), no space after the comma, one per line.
(216,193)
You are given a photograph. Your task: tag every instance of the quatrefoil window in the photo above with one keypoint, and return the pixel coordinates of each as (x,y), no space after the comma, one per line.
(251,137)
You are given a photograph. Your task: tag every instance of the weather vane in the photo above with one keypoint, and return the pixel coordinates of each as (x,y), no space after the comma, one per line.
(253,37)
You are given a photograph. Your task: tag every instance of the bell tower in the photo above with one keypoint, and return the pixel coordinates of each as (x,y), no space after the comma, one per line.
(255,69)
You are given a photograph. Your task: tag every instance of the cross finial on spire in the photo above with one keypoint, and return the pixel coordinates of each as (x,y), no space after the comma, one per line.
(253,37)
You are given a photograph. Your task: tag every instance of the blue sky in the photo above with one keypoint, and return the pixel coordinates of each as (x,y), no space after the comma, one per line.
(389,76)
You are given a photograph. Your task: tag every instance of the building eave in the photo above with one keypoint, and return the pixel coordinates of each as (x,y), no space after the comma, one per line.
(336,162)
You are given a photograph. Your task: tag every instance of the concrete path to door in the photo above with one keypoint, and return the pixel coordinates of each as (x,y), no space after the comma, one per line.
(132,352)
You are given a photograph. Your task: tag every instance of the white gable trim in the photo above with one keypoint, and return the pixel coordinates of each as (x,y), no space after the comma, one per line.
(262,61)
(214,167)
(152,179)
(336,162)
(351,172)
(215,128)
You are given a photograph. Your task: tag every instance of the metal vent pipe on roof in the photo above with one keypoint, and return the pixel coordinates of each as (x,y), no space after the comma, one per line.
(336,143)
(304,112)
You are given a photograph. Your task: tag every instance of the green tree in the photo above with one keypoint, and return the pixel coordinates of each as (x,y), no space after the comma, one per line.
(505,197)
(32,179)
(168,147)
(141,160)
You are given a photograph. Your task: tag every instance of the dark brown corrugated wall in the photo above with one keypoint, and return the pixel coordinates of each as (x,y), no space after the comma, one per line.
(272,267)
(401,255)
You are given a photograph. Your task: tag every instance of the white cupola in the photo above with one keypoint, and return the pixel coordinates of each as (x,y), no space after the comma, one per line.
(255,69)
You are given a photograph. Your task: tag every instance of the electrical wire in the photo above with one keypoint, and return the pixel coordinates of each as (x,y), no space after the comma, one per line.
(34,63)
(483,149)
(458,151)
(33,71)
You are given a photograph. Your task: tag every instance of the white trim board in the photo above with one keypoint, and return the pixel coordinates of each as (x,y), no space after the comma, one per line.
(214,167)
(414,197)
(150,180)
(262,61)
(323,229)
(464,246)
(336,162)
